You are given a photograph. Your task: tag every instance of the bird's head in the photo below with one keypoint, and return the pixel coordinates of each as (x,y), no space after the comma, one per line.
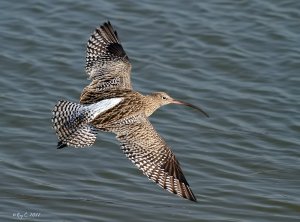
(161,98)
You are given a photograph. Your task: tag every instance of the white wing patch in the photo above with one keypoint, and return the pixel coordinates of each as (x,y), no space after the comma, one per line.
(102,106)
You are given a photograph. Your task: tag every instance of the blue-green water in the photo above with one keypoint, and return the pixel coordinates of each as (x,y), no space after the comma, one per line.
(239,60)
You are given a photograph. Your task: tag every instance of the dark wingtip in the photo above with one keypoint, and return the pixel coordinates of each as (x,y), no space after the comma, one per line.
(190,195)
(193,199)
(61,145)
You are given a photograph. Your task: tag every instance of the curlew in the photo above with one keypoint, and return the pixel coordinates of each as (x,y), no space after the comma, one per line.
(110,104)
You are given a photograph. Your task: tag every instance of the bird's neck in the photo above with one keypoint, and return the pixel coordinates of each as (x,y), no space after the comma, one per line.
(150,105)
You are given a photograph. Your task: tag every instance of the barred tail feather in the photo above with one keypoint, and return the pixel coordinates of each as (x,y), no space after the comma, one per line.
(70,122)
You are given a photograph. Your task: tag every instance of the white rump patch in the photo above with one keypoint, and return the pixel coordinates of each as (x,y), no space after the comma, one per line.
(102,106)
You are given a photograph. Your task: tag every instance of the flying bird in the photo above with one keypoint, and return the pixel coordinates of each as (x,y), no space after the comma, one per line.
(110,104)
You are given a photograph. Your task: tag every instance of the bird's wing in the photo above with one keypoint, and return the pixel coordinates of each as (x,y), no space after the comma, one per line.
(149,152)
(106,61)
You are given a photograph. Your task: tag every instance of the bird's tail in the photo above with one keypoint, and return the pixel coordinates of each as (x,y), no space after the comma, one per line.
(70,121)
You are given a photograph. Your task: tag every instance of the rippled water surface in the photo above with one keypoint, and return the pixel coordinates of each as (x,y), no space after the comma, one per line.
(238,60)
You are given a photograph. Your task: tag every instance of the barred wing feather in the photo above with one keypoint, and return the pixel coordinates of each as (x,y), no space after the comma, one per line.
(106,61)
(150,153)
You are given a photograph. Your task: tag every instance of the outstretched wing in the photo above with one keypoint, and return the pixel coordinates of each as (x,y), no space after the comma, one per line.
(149,152)
(106,61)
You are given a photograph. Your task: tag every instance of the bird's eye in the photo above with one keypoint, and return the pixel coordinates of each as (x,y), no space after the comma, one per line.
(164,97)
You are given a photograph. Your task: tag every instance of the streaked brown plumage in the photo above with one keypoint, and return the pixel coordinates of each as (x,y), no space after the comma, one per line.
(108,103)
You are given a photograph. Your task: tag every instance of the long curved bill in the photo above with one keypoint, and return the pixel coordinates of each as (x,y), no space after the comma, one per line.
(190,105)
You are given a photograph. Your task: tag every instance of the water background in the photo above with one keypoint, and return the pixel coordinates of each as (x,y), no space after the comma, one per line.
(238,60)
